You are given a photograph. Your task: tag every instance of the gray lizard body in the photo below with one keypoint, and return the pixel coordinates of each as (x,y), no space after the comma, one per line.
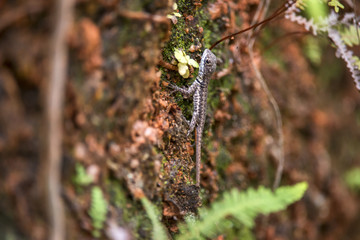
(199,90)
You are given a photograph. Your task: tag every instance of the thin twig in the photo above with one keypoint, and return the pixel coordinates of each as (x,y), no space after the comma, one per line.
(279,125)
(279,11)
(53,114)
(144,16)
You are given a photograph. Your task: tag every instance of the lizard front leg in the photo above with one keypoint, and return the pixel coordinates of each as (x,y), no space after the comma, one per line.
(187,92)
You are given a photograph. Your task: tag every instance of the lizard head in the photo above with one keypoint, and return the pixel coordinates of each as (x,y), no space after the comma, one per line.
(208,63)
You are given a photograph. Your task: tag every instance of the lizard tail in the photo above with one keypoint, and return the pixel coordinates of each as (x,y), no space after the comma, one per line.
(198,155)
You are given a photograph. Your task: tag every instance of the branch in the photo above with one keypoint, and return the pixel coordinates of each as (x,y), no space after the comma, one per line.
(53,115)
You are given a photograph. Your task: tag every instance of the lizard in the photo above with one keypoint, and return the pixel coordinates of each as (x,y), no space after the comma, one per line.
(199,91)
(199,88)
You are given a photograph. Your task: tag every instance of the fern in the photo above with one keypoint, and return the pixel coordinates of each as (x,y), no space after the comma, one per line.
(350,36)
(336,5)
(352,178)
(315,9)
(313,50)
(98,210)
(242,206)
(330,25)
(158,229)
(81,178)
(356,61)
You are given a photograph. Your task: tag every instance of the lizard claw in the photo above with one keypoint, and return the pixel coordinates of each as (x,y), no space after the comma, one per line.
(173,87)
(188,134)
(187,121)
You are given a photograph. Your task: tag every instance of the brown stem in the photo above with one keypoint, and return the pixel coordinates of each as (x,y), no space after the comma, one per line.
(53,115)
(144,16)
(167,65)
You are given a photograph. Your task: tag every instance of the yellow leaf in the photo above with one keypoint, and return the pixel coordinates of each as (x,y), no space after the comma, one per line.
(183,68)
(187,74)
(193,63)
(180,56)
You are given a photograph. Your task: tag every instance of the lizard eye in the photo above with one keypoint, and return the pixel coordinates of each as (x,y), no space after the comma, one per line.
(207,61)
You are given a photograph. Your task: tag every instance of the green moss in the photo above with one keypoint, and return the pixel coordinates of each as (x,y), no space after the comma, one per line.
(179,39)
(186,6)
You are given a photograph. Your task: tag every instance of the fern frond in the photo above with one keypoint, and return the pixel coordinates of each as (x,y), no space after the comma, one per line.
(346,55)
(290,14)
(153,214)
(98,210)
(356,61)
(336,5)
(330,25)
(81,178)
(350,36)
(244,206)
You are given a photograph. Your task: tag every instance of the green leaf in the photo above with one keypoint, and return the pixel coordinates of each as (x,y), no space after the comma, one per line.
(193,63)
(177,14)
(158,229)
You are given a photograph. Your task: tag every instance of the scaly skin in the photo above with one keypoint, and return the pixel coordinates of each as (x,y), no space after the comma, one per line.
(199,90)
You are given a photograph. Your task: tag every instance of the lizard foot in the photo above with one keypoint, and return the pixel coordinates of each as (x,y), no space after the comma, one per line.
(185,120)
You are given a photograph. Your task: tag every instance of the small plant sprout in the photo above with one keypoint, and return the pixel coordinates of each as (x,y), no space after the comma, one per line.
(183,62)
(174,14)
